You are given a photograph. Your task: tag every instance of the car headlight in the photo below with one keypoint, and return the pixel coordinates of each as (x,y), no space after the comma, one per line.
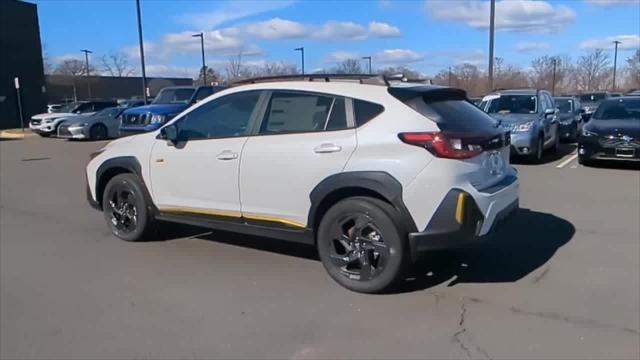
(158,119)
(524,127)
(48,121)
(586,132)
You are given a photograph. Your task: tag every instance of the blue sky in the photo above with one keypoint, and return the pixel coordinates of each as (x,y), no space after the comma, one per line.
(424,35)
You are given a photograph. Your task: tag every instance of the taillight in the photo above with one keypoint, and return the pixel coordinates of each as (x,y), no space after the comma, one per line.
(441,144)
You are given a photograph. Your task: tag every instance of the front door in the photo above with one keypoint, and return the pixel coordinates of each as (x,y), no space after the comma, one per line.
(199,174)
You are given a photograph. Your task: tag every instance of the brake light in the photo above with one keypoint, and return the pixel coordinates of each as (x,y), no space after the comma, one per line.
(442,145)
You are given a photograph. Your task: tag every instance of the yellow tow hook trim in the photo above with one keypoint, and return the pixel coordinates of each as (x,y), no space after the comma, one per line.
(460,207)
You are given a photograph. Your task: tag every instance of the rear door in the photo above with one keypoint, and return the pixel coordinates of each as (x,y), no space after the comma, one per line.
(302,139)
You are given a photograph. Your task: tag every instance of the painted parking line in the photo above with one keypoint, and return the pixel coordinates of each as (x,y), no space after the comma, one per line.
(567,161)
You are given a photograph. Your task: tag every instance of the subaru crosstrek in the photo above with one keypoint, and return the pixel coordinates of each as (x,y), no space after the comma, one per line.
(169,102)
(531,117)
(370,173)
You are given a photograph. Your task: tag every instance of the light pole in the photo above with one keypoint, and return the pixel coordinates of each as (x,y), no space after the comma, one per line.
(368,58)
(301,49)
(492,17)
(615,61)
(449,76)
(553,81)
(204,67)
(86,59)
(144,73)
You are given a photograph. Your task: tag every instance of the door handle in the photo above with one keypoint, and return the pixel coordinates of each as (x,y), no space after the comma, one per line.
(227,155)
(327,148)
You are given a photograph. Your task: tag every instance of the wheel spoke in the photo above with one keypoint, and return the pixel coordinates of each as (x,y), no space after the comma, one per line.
(339,260)
(366,270)
(361,222)
(380,247)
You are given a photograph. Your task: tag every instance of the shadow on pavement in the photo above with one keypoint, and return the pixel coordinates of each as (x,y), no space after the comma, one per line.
(520,247)
(548,157)
(617,165)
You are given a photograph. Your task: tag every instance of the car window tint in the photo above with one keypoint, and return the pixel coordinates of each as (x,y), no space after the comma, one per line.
(224,117)
(338,117)
(203,93)
(365,111)
(296,112)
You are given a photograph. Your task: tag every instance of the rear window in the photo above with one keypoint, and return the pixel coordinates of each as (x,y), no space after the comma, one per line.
(365,111)
(454,115)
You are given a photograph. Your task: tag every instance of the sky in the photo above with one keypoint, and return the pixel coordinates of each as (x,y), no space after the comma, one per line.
(424,35)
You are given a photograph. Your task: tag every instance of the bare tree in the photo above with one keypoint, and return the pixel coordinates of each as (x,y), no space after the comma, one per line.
(348,66)
(508,75)
(275,69)
(212,77)
(72,67)
(116,64)
(405,71)
(593,71)
(633,70)
(236,70)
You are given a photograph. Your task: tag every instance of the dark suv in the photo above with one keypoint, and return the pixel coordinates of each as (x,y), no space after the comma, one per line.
(169,102)
(530,115)
(590,102)
(570,116)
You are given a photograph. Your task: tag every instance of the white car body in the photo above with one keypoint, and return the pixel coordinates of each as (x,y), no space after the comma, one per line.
(48,122)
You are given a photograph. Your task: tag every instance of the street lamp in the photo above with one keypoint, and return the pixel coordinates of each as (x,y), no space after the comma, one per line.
(368,58)
(204,67)
(615,60)
(492,17)
(86,59)
(553,83)
(301,49)
(144,73)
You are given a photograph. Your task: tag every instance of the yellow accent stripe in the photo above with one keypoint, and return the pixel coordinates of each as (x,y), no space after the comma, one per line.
(234,214)
(460,207)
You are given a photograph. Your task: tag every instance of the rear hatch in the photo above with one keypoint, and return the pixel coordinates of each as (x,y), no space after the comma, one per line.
(466,133)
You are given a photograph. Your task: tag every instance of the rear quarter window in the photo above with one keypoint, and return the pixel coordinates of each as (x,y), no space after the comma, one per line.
(365,111)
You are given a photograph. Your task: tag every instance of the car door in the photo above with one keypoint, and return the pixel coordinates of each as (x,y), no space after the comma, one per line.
(199,174)
(554,123)
(545,121)
(302,139)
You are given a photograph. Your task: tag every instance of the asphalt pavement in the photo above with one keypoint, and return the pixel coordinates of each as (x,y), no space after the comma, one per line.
(562,280)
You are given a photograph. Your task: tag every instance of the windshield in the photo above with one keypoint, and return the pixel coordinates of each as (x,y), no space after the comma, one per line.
(511,104)
(112,112)
(619,109)
(174,96)
(564,105)
(592,97)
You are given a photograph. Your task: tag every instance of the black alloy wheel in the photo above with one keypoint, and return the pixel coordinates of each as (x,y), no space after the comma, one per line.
(125,208)
(98,132)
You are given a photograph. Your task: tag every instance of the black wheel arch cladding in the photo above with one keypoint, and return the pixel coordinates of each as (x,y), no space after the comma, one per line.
(116,166)
(378,184)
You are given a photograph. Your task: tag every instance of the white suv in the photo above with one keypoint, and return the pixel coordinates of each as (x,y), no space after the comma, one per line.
(370,172)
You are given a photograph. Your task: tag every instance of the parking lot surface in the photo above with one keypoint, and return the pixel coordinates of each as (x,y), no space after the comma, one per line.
(561,281)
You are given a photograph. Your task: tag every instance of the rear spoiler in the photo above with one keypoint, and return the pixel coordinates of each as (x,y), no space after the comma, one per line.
(428,93)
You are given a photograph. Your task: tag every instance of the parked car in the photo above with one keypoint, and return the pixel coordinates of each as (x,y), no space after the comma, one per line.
(101,125)
(570,117)
(46,124)
(590,102)
(613,132)
(475,100)
(51,108)
(371,175)
(615,94)
(633,93)
(531,117)
(169,102)
(131,103)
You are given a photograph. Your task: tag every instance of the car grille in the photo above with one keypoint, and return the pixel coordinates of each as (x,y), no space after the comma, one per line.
(36,121)
(136,119)
(63,130)
(613,141)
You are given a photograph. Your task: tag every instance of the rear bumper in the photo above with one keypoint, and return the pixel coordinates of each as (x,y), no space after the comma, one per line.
(460,223)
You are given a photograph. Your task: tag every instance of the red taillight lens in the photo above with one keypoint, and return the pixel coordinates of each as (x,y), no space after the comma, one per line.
(442,145)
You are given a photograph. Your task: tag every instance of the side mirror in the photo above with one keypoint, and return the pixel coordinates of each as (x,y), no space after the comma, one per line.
(549,112)
(582,111)
(170,133)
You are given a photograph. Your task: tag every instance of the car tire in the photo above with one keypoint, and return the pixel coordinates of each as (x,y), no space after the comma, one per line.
(44,135)
(126,208)
(583,161)
(362,244)
(98,132)
(556,144)
(536,157)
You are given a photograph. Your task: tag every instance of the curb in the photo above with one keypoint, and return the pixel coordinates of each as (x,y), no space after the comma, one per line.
(15,134)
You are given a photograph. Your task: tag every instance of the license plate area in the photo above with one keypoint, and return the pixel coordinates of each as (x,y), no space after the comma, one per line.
(625,152)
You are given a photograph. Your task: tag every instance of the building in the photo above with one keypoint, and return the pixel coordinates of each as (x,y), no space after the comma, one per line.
(21,57)
(61,88)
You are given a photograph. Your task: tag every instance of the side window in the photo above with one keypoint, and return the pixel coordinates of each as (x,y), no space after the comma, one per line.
(296,112)
(338,117)
(224,117)
(203,93)
(365,111)
(83,108)
(550,101)
(543,105)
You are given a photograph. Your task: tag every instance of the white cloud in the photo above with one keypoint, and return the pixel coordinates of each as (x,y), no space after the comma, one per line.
(608,3)
(526,47)
(398,56)
(628,42)
(277,28)
(160,70)
(511,15)
(383,29)
(231,11)
(340,30)
(340,56)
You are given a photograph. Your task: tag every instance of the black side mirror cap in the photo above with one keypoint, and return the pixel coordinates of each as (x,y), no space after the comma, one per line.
(169,133)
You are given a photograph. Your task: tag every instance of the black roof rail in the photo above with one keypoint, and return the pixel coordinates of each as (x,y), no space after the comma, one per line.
(370,79)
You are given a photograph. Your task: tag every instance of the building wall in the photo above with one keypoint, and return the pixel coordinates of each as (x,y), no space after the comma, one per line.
(20,56)
(63,87)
